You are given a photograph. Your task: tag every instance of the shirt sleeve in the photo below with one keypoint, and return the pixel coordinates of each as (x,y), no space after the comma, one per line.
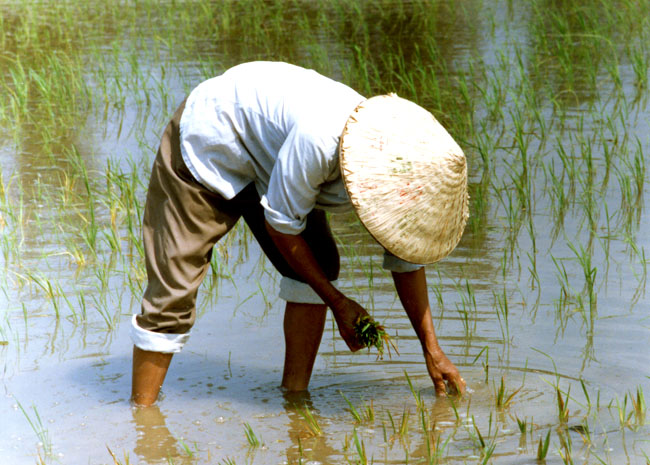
(305,161)
(393,263)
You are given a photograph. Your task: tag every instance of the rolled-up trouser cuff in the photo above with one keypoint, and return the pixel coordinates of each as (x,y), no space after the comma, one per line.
(392,263)
(298,292)
(157,342)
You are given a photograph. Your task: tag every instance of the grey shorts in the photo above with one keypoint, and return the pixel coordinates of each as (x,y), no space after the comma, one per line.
(183,220)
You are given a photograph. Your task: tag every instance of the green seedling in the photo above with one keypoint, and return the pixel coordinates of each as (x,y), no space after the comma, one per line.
(186,448)
(542,447)
(361,449)
(372,334)
(522,424)
(115,460)
(566,448)
(562,406)
(366,415)
(353,410)
(639,406)
(312,423)
(392,422)
(502,398)
(583,430)
(416,395)
(404,424)
(454,409)
(253,440)
(486,446)
(37,426)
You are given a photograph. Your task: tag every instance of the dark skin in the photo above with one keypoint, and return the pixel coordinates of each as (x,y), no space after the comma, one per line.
(412,290)
(304,325)
(298,254)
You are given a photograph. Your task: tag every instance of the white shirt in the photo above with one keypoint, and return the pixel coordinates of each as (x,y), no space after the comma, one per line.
(274,124)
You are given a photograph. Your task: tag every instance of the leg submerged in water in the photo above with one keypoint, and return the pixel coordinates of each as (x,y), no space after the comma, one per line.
(149,371)
(303,330)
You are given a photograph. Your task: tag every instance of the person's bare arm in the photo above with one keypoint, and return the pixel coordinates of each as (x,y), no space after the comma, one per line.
(297,253)
(412,290)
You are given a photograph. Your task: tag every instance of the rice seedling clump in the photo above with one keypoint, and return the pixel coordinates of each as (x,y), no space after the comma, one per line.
(371,334)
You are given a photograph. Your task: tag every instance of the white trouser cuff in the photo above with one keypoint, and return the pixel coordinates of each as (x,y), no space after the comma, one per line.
(392,263)
(156,342)
(300,293)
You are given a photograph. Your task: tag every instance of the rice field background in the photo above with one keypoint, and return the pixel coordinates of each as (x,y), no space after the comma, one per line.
(543,305)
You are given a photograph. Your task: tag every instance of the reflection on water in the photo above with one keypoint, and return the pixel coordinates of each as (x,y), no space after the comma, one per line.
(306,442)
(155,443)
(546,290)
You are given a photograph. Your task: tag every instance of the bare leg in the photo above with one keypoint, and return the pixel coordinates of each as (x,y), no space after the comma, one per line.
(303,330)
(149,370)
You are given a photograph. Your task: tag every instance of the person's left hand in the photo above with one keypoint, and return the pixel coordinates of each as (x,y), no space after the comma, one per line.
(444,374)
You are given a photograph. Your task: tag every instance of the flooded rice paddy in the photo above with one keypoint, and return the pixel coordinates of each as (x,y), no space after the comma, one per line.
(543,305)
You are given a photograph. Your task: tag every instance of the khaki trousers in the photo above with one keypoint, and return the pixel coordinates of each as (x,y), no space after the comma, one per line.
(183,220)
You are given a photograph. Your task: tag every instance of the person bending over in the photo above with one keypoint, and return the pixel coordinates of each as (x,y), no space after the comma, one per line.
(279,145)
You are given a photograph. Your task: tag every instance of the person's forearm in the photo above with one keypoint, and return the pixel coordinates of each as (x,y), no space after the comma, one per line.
(412,290)
(300,257)
(297,253)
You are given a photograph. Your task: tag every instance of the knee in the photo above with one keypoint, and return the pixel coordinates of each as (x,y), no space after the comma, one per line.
(332,265)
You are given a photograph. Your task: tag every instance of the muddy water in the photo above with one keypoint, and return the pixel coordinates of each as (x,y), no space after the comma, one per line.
(66,378)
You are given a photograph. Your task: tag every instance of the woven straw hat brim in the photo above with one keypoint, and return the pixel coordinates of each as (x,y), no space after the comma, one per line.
(406,178)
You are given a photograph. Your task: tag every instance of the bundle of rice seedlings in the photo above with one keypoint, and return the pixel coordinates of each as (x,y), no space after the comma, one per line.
(372,334)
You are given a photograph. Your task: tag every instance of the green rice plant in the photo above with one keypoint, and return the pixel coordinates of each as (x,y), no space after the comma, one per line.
(454,408)
(639,59)
(353,410)
(37,426)
(51,291)
(562,405)
(514,213)
(522,424)
(115,460)
(501,301)
(437,292)
(465,320)
(542,446)
(583,430)
(485,445)
(639,406)
(416,395)
(403,429)
(251,437)
(638,168)
(502,397)
(586,393)
(434,446)
(471,296)
(312,423)
(566,448)
(584,257)
(188,451)
(366,415)
(486,363)
(372,334)
(360,447)
(392,424)
(635,418)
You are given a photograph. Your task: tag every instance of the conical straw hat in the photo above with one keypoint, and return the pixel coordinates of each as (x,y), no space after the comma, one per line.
(406,178)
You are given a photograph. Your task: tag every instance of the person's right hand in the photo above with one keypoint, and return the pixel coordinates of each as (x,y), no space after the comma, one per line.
(346,313)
